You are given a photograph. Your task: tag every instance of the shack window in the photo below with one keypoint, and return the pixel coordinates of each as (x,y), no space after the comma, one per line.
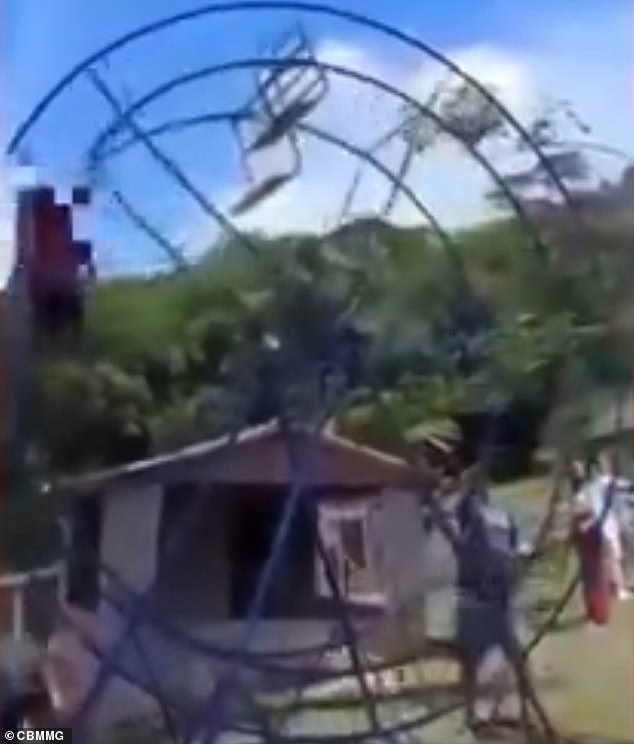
(344,531)
(353,541)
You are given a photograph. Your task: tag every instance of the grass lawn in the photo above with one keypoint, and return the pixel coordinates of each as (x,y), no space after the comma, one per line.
(526,498)
(595,697)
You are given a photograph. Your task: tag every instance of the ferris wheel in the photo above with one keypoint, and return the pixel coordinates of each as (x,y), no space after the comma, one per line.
(264,130)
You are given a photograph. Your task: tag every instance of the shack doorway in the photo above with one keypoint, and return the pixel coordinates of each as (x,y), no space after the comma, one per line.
(253,521)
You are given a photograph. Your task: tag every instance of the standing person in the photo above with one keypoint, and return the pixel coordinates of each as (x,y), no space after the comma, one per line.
(587,538)
(603,495)
(485,586)
(445,495)
(488,563)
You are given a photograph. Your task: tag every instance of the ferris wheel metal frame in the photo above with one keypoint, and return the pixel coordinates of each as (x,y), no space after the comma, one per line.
(287,121)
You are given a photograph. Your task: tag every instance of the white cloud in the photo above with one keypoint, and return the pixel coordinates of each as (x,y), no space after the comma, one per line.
(357,113)
(451,184)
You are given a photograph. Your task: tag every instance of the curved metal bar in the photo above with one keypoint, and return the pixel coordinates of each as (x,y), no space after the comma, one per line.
(317,133)
(596,147)
(361,736)
(266,662)
(137,219)
(317,9)
(140,222)
(167,164)
(212,70)
(366,155)
(382,141)
(99,154)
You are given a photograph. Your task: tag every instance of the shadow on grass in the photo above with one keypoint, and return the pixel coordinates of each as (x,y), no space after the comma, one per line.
(511,731)
(432,695)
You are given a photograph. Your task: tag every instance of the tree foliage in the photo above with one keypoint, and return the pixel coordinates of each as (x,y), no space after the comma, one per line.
(377,312)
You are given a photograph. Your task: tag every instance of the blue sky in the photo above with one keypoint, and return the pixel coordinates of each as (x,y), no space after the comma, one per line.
(578,49)
(40,47)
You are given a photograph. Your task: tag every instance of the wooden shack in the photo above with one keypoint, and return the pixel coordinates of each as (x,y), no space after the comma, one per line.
(192,530)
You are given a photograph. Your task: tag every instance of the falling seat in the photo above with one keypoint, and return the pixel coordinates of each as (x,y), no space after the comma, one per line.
(289,91)
(262,187)
(286,93)
(260,192)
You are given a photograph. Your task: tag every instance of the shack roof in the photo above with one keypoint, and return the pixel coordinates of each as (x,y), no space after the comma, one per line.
(257,455)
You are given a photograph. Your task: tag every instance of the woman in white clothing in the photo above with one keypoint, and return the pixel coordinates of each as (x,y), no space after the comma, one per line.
(604,494)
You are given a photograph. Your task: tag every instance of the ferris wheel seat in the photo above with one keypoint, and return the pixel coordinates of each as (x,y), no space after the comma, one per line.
(260,192)
(282,124)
